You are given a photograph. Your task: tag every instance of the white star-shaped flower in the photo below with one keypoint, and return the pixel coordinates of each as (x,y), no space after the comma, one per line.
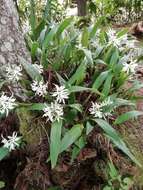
(61,94)
(98,111)
(11,142)
(39,88)
(119,42)
(130,67)
(13,73)
(6,104)
(53,112)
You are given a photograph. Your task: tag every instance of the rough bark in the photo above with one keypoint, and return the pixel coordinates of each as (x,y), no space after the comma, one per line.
(12,44)
(81,5)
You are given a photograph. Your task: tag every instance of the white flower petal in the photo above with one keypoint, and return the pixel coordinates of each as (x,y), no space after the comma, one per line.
(61,94)
(39,88)
(6,104)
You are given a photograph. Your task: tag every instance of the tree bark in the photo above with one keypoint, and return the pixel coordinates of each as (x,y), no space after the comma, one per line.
(81,5)
(12,44)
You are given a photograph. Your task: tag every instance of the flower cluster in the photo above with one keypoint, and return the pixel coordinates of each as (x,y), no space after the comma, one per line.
(11,142)
(6,104)
(39,88)
(54,111)
(113,39)
(122,42)
(98,111)
(61,94)
(13,73)
(129,64)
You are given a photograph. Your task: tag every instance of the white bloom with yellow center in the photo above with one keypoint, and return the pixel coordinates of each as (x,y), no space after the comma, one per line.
(6,104)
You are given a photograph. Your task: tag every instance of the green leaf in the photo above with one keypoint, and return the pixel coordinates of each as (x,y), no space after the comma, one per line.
(3,152)
(88,55)
(107,85)
(63,26)
(48,38)
(75,152)
(122,32)
(37,106)
(47,11)
(78,89)
(78,107)
(77,148)
(2,83)
(62,81)
(113,171)
(122,102)
(79,75)
(100,79)
(85,36)
(95,27)
(114,58)
(107,188)
(2,184)
(127,116)
(39,29)
(55,142)
(34,47)
(108,54)
(31,70)
(71,136)
(89,128)
(80,142)
(116,139)
(32,17)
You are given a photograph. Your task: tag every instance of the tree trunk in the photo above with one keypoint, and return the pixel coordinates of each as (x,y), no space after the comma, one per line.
(12,44)
(81,5)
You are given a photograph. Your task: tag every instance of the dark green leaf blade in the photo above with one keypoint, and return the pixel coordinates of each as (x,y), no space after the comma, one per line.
(126,116)
(116,139)
(71,136)
(55,142)
(3,153)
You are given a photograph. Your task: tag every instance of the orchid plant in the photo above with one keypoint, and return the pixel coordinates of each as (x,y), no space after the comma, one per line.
(75,82)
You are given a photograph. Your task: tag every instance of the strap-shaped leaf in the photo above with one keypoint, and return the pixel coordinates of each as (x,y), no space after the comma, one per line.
(3,153)
(78,89)
(100,79)
(79,74)
(116,139)
(107,85)
(71,136)
(85,37)
(37,106)
(63,26)
(78,107)
(55,142)
(127,116)
(31,70)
